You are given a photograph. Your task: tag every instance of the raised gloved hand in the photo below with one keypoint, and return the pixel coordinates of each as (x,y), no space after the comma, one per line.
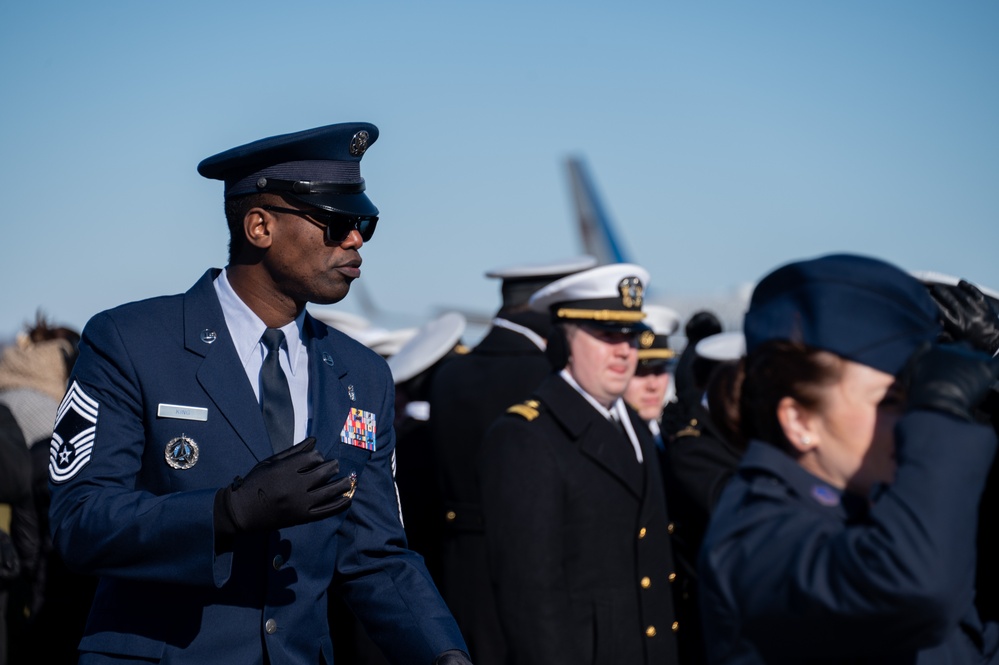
(289,488)
(453,657)
(950,378)
(968,315)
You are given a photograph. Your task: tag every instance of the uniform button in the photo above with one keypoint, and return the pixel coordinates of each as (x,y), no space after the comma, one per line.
(670,527)
(650,631)
(676,626)
(646,582)
(278,562)
(641,533)
(270,626)
(450,516)
(671,577)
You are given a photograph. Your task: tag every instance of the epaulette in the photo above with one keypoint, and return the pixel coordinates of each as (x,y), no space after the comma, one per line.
(690,430)
(528,410)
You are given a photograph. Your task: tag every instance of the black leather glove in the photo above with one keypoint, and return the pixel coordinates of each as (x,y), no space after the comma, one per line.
(453,657)
(968,315)
(950,378)
(289,488)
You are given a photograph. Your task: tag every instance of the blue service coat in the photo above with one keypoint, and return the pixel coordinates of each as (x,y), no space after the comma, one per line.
(147,529)
(793,572)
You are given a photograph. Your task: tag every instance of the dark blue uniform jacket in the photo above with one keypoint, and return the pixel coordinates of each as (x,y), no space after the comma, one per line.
(793,572)
(147,528)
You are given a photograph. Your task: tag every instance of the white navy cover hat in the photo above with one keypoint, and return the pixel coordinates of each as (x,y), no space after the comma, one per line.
(521,280)
(653,344)
(431,343)
(608,296)
(722,346)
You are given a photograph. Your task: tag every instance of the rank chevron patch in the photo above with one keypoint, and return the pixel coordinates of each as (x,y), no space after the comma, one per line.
(73,438)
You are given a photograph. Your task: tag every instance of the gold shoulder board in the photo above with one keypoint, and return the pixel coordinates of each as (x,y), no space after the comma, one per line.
(528,410)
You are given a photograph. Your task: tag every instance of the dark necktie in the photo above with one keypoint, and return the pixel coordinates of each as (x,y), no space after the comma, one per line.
(617,424)
(275,396)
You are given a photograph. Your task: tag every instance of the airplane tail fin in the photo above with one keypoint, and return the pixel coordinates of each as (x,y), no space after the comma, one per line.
(596,232)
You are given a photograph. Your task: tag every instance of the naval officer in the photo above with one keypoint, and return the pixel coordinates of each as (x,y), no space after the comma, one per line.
(575,515)
(174,397)
(466,396)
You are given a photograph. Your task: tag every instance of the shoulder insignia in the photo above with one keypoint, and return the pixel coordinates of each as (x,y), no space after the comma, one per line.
(690,430)
(528,410)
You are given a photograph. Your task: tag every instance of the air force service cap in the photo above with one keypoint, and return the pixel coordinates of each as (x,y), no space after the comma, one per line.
(608,297)
(521,280)
(860,308)
(319,167)
(653,344)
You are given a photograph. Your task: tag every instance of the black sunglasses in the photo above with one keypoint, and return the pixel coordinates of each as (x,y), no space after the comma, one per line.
(336,226)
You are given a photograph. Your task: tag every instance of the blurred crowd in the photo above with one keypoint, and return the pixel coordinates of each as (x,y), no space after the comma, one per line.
(537,556)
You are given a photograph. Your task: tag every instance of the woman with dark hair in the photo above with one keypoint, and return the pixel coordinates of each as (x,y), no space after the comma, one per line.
(848,532)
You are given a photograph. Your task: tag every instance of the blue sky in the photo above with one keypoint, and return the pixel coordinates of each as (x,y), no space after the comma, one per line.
(725,137)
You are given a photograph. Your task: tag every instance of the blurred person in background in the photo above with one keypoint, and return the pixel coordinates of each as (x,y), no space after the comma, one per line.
(466,396)
(49,603)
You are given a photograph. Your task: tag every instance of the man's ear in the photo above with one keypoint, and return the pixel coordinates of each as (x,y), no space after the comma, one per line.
(798,424)
(258,225)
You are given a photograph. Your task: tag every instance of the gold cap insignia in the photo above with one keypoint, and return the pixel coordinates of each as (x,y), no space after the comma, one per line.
(631,292)
(646,339)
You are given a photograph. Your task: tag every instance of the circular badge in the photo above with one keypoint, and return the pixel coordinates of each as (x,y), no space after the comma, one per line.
(181,452)
(208,336)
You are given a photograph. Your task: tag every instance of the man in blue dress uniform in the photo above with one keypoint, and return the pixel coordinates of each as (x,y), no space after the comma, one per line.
(174,397)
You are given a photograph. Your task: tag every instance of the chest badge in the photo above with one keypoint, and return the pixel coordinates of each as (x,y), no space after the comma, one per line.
(181,452)
(350,393)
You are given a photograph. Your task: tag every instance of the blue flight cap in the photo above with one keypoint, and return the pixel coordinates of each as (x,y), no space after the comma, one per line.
(320,167)
(860,308)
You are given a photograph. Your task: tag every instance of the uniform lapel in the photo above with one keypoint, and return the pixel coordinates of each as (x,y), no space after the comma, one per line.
(598,439)
(328,388)
(221,373)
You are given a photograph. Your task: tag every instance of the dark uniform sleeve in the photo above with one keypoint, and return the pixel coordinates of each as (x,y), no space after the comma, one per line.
(101,523)
(800,584)
(522,501)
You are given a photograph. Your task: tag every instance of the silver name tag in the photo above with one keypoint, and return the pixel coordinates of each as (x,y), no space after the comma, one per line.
(182,412)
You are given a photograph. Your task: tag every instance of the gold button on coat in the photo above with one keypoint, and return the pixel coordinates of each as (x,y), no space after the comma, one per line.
(650,631)
(676,626)
(450,516)
(669,528)
(646,582)
(672,577)
(270,626)
(641,533)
